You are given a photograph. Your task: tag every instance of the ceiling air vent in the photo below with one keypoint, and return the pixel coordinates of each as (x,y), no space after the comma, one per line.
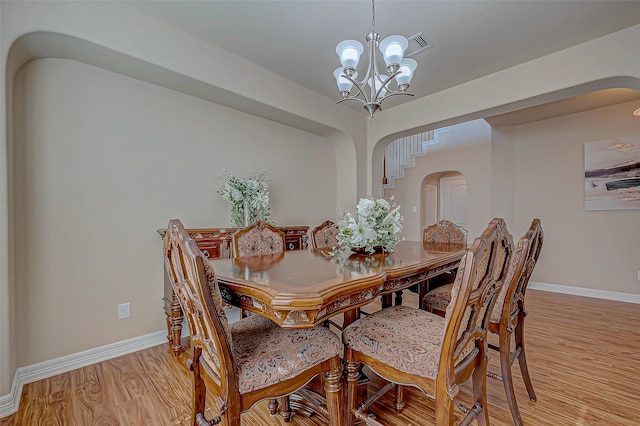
(417,44)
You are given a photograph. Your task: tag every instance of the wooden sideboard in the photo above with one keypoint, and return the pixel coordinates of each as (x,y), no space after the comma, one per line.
(215,243)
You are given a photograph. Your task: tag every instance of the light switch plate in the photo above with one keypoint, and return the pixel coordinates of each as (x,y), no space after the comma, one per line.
(124,311)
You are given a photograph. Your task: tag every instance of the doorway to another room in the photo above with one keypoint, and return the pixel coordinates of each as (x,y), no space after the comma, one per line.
(444,196)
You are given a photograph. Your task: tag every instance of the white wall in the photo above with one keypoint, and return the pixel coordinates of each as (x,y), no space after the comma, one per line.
(587,249)
(104,160)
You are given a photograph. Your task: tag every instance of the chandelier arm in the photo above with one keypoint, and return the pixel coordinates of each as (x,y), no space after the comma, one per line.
(359,87)
(393,94)
(384,86)
(352,99)
(365,78)
(386,83)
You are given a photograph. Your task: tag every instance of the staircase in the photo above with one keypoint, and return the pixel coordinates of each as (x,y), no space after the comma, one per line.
(402,153)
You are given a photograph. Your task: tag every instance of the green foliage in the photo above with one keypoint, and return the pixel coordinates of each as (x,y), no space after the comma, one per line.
(375,223)
(246,193)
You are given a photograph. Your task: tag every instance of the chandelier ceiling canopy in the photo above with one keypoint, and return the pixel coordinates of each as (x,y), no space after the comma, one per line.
(374,87)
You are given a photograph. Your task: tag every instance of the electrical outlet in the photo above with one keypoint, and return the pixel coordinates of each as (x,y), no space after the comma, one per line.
(124,310)
(638,275)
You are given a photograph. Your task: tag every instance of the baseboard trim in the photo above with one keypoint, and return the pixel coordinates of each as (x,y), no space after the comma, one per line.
(9,403)
(587,292)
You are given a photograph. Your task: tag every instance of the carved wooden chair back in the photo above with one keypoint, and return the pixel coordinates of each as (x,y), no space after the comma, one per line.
(444,231)
(461,349)
(527,252)
(196,287)
(325,235)
(257,239)
(509,314)
(481,274)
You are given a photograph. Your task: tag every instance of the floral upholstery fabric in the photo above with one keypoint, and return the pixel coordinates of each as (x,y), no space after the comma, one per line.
(444,231)
(456,288)
(265,354)
(326,237)
(404,338)
(441,296)
(515,261)
(259,241)
(438,299)
(212,283)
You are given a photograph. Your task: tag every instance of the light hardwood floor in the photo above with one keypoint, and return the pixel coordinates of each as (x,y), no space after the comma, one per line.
(584,360)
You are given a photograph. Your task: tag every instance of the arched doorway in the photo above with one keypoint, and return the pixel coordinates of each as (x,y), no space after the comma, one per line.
(444,196)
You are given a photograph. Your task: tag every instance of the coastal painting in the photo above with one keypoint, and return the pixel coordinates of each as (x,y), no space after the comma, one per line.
(612,174)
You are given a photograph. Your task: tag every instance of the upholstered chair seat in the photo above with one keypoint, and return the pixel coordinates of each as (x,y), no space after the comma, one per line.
(266,354)
(404,338)
(438,299)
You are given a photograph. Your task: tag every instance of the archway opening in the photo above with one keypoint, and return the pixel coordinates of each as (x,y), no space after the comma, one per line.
(443,195)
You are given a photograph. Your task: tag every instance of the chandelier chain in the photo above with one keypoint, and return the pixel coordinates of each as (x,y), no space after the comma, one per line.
(373,16)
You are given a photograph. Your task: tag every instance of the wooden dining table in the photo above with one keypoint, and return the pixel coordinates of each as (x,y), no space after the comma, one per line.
(304,288)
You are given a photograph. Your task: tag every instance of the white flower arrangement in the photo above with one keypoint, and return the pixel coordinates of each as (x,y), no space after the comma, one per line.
(248,198)
(375,224)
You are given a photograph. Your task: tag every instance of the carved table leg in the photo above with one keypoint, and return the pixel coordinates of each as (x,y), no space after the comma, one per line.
(175,334)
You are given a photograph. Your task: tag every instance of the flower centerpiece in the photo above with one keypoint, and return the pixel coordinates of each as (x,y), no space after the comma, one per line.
(248,198)
(374,226)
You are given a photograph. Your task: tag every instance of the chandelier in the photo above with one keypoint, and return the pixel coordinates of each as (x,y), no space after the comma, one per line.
(374,87)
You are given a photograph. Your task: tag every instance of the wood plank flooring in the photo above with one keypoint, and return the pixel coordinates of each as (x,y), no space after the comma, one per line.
(584,360)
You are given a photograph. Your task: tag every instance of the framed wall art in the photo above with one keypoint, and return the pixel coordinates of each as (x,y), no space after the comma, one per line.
(612,174)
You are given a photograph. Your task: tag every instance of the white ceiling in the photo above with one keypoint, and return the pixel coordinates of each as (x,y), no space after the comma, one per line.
(297,39)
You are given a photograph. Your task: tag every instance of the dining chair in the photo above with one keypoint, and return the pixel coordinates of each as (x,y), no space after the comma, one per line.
(242,363)
(443,231)
(507,318)
(257,239)
(409,346)
(325,235)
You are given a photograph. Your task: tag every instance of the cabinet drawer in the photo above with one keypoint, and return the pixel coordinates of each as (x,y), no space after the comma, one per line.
(293,243)
(210,249)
